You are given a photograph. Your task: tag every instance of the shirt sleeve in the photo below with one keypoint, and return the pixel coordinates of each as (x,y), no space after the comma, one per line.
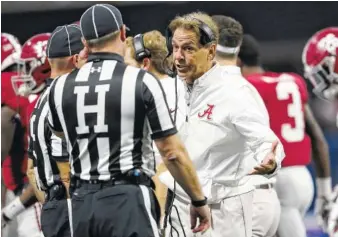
(156,107)
(53,118)
(251,119)
(59,149)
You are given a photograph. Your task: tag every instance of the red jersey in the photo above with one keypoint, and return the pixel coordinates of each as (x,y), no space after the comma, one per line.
(9,98)
(285,96)
(23,105)
(15,165)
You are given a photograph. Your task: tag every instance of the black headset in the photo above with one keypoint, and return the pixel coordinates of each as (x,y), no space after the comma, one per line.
(140,51)
(206,35)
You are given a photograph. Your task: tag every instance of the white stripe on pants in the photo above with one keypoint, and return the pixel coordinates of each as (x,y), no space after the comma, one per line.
(70,215)
(147,203)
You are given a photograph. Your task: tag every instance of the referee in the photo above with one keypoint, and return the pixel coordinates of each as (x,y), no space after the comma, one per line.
(47,151)
(107,112)
(149,51)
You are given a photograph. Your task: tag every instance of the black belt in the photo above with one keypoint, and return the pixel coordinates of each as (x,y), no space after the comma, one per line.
(131,178)
(109,183)
(114,182)
(264,186)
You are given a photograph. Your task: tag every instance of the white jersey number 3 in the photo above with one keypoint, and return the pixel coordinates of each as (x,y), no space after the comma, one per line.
(286,87)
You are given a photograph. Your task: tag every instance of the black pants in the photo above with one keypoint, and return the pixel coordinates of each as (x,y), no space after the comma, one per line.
(54,218)
(115,211)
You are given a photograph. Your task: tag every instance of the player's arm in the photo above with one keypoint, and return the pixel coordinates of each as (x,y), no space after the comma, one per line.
(7,130)
(7,133)
(19,204)
(320,157)
(251,120)
(320,153)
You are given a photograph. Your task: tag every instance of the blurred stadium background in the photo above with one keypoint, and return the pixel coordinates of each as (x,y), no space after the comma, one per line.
(281,27)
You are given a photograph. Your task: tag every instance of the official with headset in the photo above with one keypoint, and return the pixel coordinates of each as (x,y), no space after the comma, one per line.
(227,126)
(149,51)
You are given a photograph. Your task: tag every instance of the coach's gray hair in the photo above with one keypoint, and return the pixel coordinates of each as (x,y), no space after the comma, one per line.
(103,41)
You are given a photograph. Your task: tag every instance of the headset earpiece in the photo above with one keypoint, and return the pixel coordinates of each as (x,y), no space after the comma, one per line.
(206,34)
(140,51)
(169,37)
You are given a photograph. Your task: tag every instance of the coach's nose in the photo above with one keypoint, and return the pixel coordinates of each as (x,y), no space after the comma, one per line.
(178,55)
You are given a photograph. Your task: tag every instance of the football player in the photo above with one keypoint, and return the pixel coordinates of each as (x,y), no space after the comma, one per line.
(320,60)
(286,98)
(12,149)
(29,82)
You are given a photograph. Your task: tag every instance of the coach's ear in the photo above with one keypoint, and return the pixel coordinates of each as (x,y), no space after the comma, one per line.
(212,52)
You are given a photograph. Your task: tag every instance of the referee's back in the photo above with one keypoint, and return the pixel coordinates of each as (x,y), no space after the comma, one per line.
(105,107)
(105,110)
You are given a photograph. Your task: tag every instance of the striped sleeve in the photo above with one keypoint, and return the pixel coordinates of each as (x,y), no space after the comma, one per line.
(59,149)
(53,119)
(156,107)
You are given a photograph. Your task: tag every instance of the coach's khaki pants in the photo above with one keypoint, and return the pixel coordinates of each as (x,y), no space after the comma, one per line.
(230,218)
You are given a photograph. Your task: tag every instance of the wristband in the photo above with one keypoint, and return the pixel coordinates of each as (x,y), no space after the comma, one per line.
(200,203)
(14,208)
(323,186)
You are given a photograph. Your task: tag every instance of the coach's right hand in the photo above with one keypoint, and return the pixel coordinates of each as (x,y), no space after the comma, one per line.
(203,215)
(269,163)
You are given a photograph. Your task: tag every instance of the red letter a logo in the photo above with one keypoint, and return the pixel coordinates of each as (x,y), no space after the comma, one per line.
(207,112)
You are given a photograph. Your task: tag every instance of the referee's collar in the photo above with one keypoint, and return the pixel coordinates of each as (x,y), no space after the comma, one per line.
(104,56)
(49,81)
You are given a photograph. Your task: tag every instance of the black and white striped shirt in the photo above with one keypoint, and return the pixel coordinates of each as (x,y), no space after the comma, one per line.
(107,110)
(45,148)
